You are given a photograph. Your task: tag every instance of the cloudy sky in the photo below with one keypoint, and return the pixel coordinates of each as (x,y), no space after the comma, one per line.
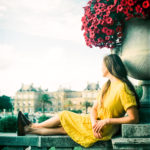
(41,42)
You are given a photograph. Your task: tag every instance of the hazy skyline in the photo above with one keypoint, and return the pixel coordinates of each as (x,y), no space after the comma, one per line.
(41,42)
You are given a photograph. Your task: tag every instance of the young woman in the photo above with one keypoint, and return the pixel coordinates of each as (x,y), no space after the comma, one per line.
(116,98)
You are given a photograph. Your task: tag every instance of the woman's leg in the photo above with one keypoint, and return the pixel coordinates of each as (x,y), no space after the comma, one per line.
(49,123)
(45,131)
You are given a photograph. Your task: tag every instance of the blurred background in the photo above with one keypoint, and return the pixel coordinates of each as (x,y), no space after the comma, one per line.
(45,65)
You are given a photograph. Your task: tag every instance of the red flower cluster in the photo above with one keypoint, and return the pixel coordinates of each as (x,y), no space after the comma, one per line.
(104,19)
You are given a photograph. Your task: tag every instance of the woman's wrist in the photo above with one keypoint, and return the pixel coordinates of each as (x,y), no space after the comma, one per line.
(107,121)
(93,121)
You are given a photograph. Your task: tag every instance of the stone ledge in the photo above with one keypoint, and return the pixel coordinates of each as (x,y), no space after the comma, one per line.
(40,142)
(131,143)
(136,130)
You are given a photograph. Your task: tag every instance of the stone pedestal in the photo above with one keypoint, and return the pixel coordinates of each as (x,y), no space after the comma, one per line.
(135,53)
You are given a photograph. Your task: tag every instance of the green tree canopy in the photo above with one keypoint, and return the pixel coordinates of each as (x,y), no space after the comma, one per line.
(87,104)
(45,99)
(5,103)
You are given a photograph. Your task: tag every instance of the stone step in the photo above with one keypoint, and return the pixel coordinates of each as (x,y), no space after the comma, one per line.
(135,130)
(130,143)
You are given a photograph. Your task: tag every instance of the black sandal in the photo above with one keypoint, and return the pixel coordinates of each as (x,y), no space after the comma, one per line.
(20,125)
(28,122)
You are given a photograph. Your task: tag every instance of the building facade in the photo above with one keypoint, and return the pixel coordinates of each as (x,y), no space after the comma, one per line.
(28,99)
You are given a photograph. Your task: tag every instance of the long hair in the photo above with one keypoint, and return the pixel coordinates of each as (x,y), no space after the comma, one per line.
(116,67)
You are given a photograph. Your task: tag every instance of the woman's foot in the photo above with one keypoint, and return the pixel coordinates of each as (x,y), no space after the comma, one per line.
(28,129)
(28,122)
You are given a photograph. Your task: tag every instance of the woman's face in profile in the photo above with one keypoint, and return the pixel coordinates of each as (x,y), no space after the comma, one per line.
(104,70)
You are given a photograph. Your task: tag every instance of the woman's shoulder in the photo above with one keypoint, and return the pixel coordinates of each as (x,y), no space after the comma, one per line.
(120,86)
(124,88)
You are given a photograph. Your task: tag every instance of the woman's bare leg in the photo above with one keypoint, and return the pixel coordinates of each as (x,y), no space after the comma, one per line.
(45,131)
(49,123)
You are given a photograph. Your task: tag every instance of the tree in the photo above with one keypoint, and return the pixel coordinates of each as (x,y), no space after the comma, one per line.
(5,103)
(87,104)
(45,99)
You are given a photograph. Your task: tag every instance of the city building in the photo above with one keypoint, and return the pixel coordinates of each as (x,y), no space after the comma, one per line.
(27,99)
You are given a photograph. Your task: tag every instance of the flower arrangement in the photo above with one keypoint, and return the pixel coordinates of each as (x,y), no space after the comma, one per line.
(103,20)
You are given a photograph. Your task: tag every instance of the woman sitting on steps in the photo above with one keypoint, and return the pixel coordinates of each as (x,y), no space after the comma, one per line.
(116,98)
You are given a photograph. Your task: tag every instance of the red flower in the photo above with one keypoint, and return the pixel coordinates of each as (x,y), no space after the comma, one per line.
(123,2)
(103,9)
(102,4)
(104,29)
(102,22)
(130,8)
(82,27)
(110,7)
(129,17)
(120,35)
(96,5)
(103,26)
(107,13)
(138,9)
(110,21)
(107,38)
(92,34)
(119,29)
(146,4)
(119,8)
(125,11)
(130,2)
(97,30)
(100,40)
(105,17)
(95,21)
(98,11)
(83,18)
(109,32)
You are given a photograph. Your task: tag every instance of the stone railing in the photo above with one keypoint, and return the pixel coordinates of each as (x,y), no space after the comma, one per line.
(132,137)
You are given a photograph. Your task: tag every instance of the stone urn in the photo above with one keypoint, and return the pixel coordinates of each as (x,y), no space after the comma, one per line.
(135,53)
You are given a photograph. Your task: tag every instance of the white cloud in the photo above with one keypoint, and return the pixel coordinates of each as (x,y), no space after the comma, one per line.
(2,10)
(60,19)
(29,61)
(7,56)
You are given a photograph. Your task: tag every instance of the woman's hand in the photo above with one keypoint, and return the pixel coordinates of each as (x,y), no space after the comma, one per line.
(97,127)
(96,134)
(94,122)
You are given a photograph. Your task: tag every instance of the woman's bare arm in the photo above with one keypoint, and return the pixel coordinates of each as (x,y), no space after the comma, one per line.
(133,117)
(93,114)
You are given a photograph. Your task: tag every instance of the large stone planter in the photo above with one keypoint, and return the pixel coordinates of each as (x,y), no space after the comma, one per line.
(135,53)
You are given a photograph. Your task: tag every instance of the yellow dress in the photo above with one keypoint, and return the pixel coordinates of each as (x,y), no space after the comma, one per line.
(116,101)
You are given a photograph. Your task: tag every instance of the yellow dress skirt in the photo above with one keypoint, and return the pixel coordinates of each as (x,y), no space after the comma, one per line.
(79,126)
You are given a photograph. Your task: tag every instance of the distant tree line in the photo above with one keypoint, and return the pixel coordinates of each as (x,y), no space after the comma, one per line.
(5,103)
